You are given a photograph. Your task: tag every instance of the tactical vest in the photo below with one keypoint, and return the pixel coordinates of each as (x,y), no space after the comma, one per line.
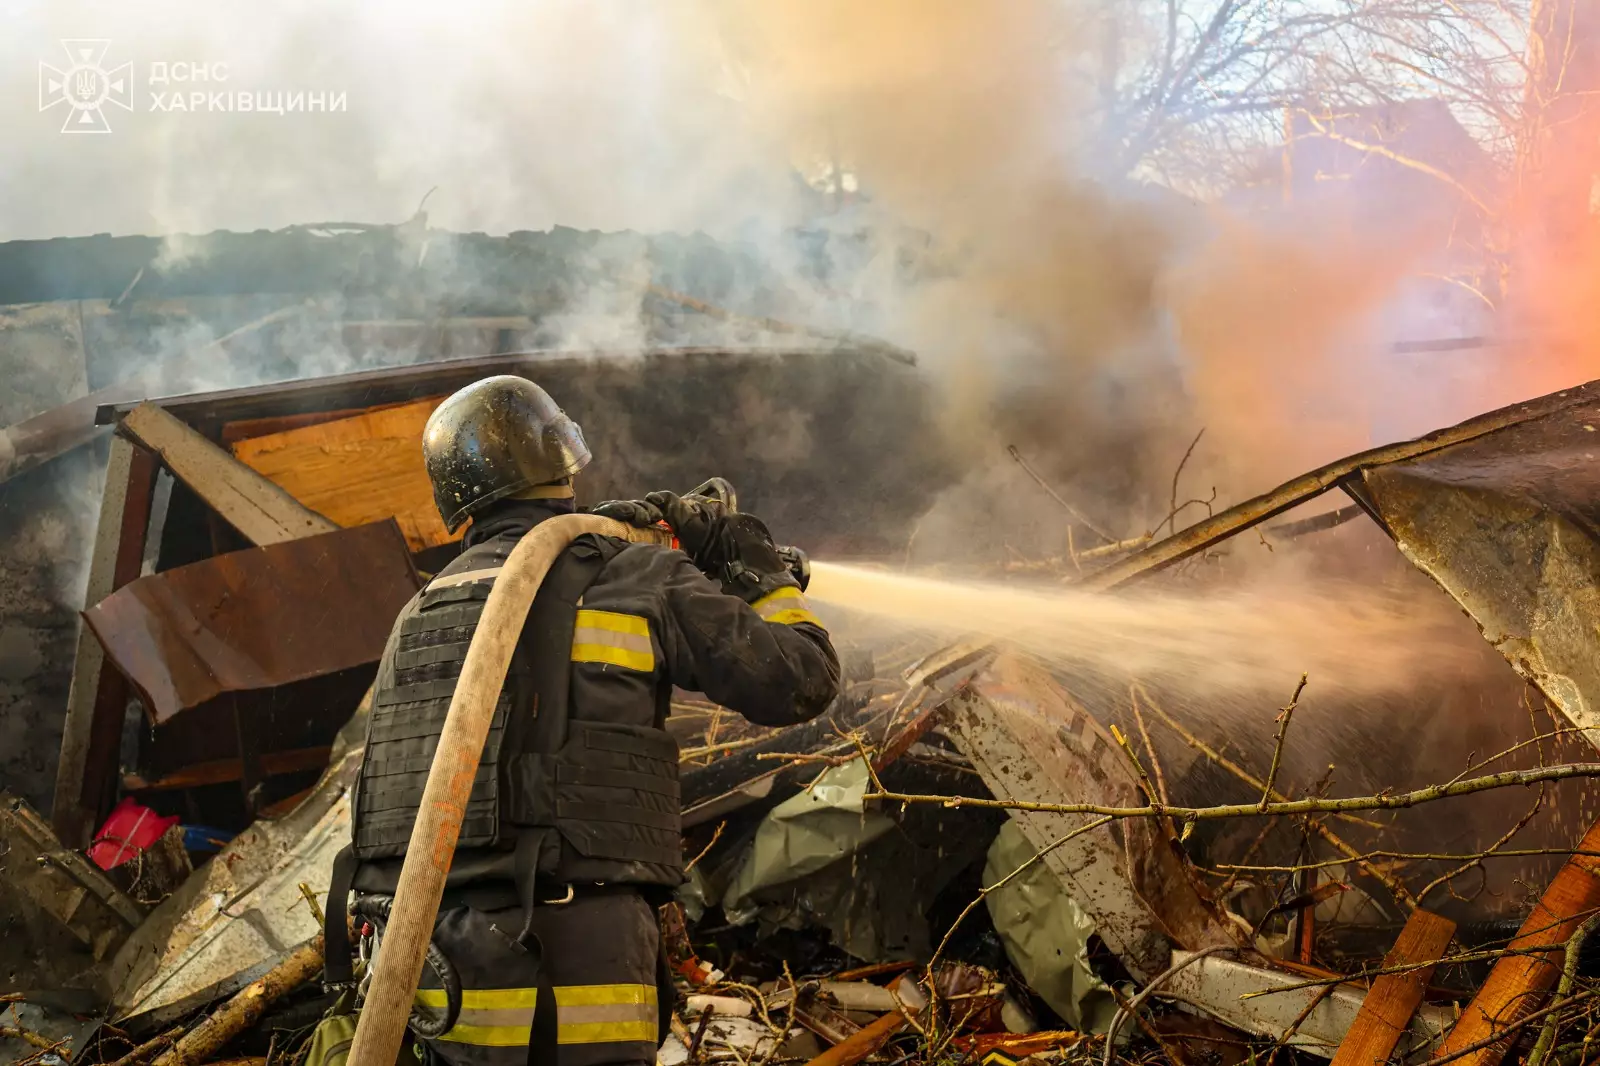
(555,797)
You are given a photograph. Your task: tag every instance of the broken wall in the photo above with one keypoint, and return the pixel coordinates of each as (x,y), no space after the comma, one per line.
(140,316)
(44,544)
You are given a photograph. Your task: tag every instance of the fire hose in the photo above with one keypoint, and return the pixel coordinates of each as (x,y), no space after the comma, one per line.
(398,970)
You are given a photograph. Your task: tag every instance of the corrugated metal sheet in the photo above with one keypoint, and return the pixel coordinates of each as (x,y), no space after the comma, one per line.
(257,618)
(1509,525)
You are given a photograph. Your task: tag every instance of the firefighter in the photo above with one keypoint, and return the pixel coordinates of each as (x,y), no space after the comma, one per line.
(571,836)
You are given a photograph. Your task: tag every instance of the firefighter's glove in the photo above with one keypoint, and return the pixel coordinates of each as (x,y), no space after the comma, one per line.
(734,549)
(633,512)
(693,520)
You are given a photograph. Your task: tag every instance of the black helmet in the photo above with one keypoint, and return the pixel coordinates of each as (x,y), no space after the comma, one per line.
(494,438)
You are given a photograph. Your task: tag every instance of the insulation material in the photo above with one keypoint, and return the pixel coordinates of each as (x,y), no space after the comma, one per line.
(1045,933)
(807,833)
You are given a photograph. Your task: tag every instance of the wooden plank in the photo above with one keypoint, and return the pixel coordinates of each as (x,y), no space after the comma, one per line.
(91,735)
(1394,998)
(250,503)
(222,771)
(358,470)
(244,429)
(1520,980)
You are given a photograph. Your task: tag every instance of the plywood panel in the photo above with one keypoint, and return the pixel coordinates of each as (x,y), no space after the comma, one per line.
(357,470)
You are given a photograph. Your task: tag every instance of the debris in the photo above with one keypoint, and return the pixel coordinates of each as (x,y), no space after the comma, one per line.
(846,995)
(62,916)
(150,1048)
(1031,743)
(1017,1045)
(872,1037)
(721,1006)
(131,828)
(231,921)
(815,1013)
(1517,985)
(258,618)
(1269,1002)
(158,871)
(1045,932)
(808,833)
(1502,523)
(250,503)
(199,1044)
(1394,997)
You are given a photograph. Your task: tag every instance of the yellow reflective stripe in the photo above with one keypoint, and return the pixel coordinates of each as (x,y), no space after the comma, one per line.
(790,617)
(786,606)
(604,995)
(774,600)
(613,622)
(609,1032)
(482,998)
(613,638)
(586,1014)
(490,1035)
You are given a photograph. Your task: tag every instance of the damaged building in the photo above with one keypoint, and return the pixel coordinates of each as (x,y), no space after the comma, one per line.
(975,852)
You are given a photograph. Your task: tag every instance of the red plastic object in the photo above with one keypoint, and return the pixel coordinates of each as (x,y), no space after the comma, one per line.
(130,829)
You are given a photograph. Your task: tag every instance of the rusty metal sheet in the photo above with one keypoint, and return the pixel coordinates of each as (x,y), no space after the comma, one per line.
(1031,743)
(257,618)
(1509,525)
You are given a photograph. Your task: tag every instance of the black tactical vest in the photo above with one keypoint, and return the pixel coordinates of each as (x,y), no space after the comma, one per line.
(554,797)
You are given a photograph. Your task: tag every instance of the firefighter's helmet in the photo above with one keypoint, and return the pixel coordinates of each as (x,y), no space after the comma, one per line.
(496,438)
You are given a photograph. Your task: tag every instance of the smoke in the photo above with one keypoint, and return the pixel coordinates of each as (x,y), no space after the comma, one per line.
(1068,308)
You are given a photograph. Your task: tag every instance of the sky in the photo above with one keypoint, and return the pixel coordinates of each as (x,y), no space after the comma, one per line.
(595,115)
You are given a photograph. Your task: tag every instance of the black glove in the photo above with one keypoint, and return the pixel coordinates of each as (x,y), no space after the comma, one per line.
(735,549)
(693,520)
(633,512)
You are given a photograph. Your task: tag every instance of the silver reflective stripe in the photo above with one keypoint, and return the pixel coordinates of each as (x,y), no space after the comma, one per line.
(464,577)
(629,641)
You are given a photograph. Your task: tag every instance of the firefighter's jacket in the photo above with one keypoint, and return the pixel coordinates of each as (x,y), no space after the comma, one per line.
(579,778)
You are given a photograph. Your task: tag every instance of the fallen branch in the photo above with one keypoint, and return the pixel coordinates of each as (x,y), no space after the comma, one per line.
(245,1009)
(1071,510)
(1569,973)
(1384,801)
(1393,884)
(150,1047)
(1277,744)
(14,1033)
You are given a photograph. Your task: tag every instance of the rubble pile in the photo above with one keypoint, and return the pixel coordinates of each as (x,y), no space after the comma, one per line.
(972,856)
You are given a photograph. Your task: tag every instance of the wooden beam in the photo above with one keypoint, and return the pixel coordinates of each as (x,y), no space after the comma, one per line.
(92,733)
(1393,998)
(250,503)
(222,771)
(248,428)
(1521,979)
